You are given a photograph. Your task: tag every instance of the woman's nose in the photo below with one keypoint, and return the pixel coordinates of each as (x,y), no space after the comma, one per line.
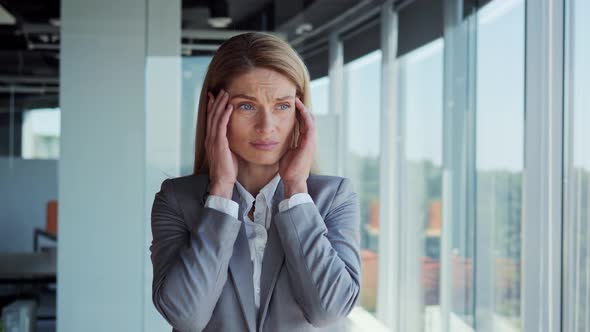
(264,122)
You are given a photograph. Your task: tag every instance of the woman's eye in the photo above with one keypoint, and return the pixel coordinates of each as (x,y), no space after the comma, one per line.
(246,107)
(284,107)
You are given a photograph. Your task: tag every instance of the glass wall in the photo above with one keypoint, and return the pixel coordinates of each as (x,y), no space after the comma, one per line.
(459,163)
(499,163)
(40,134)
(362,114)
(320,94)
(194,69)
(328,121)
(577,136)
(420,105)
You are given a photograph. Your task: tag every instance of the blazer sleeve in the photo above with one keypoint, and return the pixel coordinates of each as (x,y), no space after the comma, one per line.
(190,260)
(322,256)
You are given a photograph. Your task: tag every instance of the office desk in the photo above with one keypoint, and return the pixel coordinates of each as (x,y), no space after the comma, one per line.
(37,269)
(28,267)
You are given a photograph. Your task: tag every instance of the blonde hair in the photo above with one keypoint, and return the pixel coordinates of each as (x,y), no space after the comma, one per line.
(239,55)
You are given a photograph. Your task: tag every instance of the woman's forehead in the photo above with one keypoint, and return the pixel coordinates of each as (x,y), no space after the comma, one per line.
(260,92)
(261,80)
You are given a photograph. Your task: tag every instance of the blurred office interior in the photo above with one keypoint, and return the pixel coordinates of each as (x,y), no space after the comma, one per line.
(461,124)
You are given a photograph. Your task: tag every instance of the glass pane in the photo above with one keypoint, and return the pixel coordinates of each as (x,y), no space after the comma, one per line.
(327,124)
(420,103)
(40,134)
(194,69)
(363,80)
(320,94)
(579,212)
(499,163)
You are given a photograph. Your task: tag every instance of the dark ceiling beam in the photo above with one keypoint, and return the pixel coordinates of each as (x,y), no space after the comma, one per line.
(352,17)
(22,89)
(28,80)
(320,31)
(212,34)
(35,29)
(262,19)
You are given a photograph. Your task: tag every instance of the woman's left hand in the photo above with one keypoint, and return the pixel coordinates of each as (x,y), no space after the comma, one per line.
(295,165)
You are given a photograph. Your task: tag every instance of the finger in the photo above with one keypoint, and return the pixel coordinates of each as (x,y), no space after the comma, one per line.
(218,113)
(213,111)
(217,101)
(210,101)
(298,129)
(308,124)
(225,120)
(221,108)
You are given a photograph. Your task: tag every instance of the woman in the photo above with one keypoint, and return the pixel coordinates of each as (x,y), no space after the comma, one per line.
(252,241)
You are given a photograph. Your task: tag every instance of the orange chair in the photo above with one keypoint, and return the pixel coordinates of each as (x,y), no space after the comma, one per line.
(51,225)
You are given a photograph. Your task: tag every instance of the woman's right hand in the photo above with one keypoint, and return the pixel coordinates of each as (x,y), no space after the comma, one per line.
(223,163)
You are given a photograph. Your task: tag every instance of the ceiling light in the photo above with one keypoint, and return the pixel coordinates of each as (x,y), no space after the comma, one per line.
(303,28)
(219,14)
(219,22)
(6,17)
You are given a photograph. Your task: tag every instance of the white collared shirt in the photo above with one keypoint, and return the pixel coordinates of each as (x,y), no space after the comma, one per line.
(256,230)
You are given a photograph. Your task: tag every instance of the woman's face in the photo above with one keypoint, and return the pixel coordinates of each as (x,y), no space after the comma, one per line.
(261,126)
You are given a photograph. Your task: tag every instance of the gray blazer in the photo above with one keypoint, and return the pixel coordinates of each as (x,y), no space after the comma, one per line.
(203,272)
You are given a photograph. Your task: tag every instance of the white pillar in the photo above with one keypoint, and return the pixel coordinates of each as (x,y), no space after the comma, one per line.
(118,138)
(163,132)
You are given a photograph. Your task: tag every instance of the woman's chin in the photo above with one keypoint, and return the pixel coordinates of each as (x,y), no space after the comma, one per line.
(266,161)
(263,159)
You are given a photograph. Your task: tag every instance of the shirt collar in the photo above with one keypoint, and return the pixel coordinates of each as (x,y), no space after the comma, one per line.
(267,191)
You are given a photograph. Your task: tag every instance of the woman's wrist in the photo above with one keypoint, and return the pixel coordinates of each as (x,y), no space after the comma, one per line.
(292,188)
(222,189)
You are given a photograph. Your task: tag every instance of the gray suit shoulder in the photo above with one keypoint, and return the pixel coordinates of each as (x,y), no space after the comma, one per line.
(320,187)
(189,186)
(331,182)
(323,190)
(324,179)
(314,180)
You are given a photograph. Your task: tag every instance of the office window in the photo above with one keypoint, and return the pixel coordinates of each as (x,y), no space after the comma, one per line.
(362,104)
(320,94)
(327,126)
(194,69)
(40,133)
(420,106)
(577,203)
(499,163)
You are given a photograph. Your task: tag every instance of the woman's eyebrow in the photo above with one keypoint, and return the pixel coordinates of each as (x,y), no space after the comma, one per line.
(254,98)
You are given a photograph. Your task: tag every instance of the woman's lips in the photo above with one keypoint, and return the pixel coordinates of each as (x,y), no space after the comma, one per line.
(266,146)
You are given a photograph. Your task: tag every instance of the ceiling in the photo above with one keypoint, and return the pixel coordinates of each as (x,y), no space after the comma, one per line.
(29,34)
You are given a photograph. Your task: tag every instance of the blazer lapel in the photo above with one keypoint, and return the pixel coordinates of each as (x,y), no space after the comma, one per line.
(272,260)
(242,272)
